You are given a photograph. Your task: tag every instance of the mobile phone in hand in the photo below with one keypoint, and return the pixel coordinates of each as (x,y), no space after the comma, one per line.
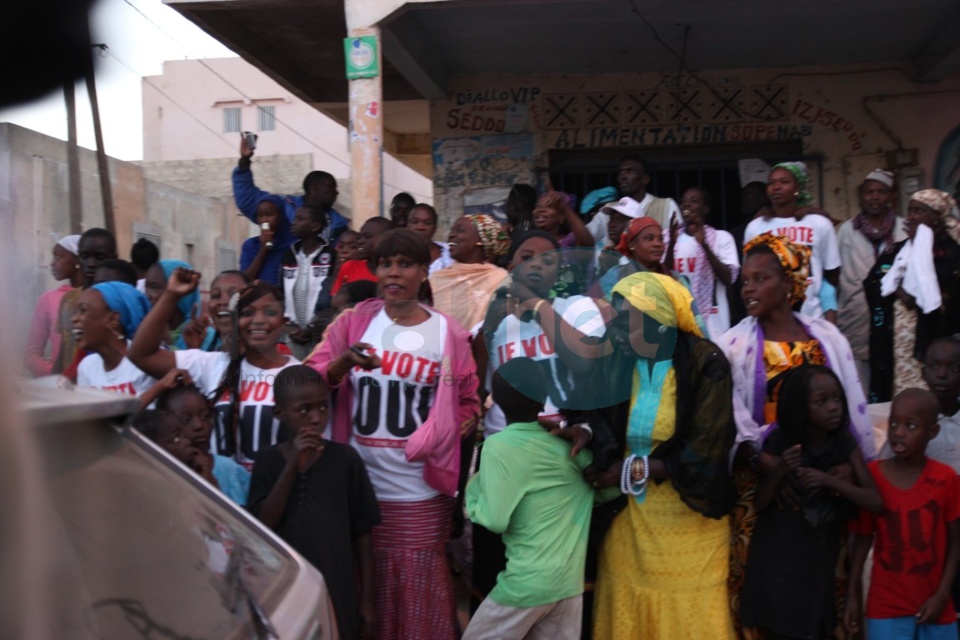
(360,352)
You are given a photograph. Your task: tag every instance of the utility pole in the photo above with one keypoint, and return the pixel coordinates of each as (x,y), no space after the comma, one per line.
(73,161)
(363,57)
(109,221)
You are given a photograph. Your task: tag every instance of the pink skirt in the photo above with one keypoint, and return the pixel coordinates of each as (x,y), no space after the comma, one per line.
(415,597)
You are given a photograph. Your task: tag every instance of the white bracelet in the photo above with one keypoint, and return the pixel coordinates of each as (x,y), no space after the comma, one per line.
(627,486)
(585,427)
(625,475)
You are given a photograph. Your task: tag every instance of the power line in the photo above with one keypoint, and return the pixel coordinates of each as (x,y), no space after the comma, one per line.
(247,97)
(233,86)
(271,172)
(294,131)
(681,58)
(113,54)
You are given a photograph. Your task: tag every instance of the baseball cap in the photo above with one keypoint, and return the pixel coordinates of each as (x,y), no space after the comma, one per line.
(627,206)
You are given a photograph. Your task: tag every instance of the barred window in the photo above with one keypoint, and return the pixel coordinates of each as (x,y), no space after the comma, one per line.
(231,120)
(266,118)
(226,256)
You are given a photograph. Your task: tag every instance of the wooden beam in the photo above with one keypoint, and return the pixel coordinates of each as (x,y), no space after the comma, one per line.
(941,56)
(409,50)
(109,218)
(74,195)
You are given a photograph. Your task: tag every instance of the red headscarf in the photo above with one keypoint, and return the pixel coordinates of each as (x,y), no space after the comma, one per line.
(636,226)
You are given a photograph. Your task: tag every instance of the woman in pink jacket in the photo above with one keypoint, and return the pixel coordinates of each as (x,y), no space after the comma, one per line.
(407,395)
(43,326)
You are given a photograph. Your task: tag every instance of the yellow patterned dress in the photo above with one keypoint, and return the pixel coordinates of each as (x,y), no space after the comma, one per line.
(663,567)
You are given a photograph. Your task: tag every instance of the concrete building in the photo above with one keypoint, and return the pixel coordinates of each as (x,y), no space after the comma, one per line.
(34,205)
(193,114)
(556,91)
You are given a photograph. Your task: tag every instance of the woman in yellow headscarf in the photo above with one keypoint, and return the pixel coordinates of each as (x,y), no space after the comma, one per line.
(664,561)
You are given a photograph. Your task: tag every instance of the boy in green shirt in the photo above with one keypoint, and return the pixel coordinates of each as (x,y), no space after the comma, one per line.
(532,491)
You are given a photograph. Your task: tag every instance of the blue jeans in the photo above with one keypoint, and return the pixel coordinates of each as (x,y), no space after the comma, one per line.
(906,628)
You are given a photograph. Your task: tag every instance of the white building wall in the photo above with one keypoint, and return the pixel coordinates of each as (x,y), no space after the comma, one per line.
(34,208)
(183,119)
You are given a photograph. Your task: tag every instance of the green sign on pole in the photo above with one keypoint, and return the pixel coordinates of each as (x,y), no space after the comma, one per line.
(361,55)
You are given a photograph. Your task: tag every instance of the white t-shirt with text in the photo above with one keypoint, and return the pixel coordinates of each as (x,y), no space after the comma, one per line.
(516,339)
(814,231)
(126,378)
(390,403)
(256,427)
(687,261)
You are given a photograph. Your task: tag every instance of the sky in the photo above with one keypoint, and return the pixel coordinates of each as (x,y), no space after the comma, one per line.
(137,48)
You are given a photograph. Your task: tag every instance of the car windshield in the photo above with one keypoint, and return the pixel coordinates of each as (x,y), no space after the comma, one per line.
(141,552)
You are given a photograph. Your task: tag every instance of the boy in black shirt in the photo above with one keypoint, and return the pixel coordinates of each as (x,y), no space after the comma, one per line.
(316,495)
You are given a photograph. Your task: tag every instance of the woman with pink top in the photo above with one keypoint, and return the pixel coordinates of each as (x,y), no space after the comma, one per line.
(407,395)
(43,326)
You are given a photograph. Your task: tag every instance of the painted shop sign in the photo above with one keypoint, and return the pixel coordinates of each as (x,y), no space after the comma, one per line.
(513,95)
(665,105)
(674,135)
(492,119)
(668,114)
(821,116)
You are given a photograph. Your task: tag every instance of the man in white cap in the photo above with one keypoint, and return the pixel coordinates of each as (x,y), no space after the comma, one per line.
(861,240)
(618,215)
(632,181)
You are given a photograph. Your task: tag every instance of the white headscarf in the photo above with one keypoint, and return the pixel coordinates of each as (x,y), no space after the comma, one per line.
(70,243)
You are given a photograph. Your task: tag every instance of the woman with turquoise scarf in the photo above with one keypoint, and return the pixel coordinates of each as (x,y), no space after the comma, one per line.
(183,334)
(663,563)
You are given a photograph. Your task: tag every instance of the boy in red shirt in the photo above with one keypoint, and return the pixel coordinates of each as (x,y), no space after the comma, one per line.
(916,552)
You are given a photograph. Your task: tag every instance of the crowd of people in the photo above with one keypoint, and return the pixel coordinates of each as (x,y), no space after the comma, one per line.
(607,421)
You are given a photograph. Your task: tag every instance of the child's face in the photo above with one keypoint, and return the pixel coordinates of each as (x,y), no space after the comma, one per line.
(173,441)
(155,283)
(911,427)
(304,225)
(347,246)
(267,212)
(305,407)
(941,371)
(825,403)
(367,237)
(536,264)
(194,417)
